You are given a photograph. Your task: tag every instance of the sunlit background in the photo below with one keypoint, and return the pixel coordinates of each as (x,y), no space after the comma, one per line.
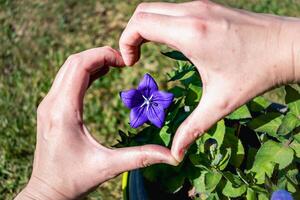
(36,36)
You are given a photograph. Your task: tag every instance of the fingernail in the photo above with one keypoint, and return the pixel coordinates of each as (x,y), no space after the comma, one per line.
(181,154)
(178,156)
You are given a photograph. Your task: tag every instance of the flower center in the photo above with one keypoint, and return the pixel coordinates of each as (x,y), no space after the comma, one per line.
(147,101)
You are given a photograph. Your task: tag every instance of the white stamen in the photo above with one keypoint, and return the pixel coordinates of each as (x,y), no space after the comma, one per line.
(147,101)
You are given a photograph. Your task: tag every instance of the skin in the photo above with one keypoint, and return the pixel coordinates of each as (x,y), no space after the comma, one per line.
(238,54)
(68,161)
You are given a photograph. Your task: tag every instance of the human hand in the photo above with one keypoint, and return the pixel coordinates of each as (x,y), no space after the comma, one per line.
(68,162)
(238,54)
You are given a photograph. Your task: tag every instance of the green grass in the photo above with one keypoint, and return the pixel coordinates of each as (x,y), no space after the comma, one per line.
(35,39)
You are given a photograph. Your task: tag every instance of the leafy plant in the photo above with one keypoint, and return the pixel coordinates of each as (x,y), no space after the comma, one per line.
(247,155)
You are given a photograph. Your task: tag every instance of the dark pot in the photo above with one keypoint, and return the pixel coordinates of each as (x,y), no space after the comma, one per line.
(135,187)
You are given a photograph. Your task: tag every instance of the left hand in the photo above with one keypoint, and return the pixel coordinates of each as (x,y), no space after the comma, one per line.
(68,161)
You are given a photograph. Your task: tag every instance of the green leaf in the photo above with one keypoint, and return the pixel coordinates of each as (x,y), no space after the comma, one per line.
(268,123)
(193,78)
(292,99)
(259,189)
(199,160)
(269,153)
(263,196)
(193,95)
(240,113)
(295,145)
(176,55)
(250,194)
(218,158)
(233,142)
(231,191)
(234,179)
(289,123)
(212,196)
(186,75)
(250,157)
(242,176)
(259,104)
(165,136)
(124,141)
(292,180)
(217,132)
(199,183)
(177,91)
(173,110)
(226,157)
(212,179)
(175,183)
(297,137)
(184,72)
(290,187)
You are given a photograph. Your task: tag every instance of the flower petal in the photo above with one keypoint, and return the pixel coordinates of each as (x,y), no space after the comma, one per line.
(163,98)
(132,98)
(147,85)
(156,115)
(138,116)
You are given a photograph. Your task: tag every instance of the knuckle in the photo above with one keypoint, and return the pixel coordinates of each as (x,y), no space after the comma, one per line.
(74,59)
(144,160)
(197,25)
(140,16)
(205,7)
(225,24)
(141,7)
(108,48)
(204,4)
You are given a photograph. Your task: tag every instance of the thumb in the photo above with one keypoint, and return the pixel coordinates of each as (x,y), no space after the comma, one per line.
(202,118)
(125,159)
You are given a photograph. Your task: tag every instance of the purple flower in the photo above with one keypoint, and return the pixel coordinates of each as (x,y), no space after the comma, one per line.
(147,103)
(281,195)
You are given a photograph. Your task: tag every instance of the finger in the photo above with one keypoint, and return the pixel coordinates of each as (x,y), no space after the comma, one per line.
(203,117)
(163,8)
(125,159)
(151,27)
(75,75)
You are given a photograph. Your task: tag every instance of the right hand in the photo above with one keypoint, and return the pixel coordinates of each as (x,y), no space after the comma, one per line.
(238,54)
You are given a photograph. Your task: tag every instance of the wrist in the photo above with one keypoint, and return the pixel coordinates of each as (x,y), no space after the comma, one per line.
(37,189)
(289,38)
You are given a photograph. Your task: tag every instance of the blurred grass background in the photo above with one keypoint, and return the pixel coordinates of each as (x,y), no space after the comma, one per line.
(37,36)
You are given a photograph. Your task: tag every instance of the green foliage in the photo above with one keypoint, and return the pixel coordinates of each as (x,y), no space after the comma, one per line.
(248,154)
(176,55)
(267,123)
(241,113)
(267,156)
